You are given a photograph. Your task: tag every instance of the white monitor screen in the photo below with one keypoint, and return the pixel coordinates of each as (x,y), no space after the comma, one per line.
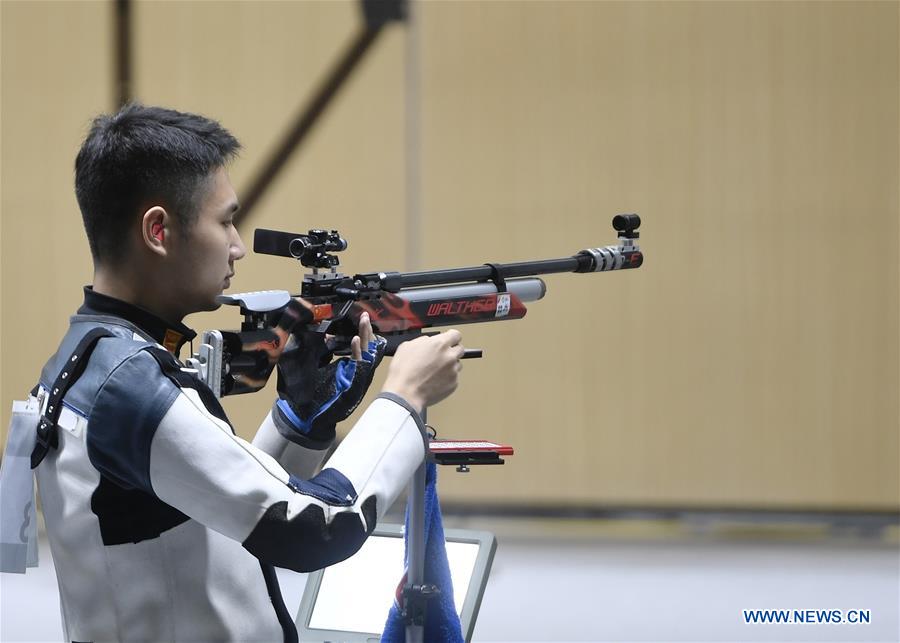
(356,595)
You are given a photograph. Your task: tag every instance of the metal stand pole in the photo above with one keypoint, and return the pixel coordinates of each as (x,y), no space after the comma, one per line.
(415,573)
(415,601)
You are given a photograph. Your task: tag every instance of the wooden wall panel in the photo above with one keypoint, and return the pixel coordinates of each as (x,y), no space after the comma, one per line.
(56,70)
(753,361)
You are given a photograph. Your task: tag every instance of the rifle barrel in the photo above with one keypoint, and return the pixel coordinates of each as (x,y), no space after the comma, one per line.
(578,263)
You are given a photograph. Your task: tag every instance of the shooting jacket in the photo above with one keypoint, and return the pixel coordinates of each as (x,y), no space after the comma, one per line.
(164,525)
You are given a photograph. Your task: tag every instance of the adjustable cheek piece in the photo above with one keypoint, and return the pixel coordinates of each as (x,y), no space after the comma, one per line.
(233,362)
(236,362)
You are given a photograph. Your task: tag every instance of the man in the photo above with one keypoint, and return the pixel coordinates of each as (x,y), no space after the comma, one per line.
(163,524)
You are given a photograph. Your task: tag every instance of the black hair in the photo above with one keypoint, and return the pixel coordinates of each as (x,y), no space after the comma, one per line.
(144,156)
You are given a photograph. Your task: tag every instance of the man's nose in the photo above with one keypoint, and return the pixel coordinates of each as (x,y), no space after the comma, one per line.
(238,250)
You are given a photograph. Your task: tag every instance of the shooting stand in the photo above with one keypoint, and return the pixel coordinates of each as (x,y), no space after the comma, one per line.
(416,593)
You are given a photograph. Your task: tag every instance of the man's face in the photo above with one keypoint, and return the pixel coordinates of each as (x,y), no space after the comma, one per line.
(203,256)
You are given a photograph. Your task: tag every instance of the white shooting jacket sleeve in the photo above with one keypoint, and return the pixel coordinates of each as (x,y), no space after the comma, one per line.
(198,466)
(301,460)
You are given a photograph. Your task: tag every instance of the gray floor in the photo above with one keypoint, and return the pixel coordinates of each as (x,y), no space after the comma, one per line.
(616,589)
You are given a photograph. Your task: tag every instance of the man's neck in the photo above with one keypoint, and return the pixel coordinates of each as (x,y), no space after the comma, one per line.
(121,285)
(172,336)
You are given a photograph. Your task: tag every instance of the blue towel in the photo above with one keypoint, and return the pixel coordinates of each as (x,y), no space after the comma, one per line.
(441,619)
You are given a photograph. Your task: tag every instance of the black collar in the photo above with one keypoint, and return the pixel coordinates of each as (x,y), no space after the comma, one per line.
(172,336)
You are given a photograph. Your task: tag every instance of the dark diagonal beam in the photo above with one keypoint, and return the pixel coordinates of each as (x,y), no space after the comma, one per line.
(305,121)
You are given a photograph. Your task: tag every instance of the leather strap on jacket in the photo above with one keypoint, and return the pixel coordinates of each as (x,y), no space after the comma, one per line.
(47,430)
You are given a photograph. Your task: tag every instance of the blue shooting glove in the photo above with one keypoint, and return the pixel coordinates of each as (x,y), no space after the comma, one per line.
(315,393)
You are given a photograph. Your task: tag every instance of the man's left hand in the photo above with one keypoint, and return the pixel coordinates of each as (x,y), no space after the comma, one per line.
(315,398)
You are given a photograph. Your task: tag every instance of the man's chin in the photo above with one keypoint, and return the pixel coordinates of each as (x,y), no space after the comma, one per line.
(210,305)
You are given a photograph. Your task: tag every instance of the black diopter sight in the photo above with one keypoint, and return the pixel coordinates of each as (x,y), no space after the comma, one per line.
(311,249)
(627,224)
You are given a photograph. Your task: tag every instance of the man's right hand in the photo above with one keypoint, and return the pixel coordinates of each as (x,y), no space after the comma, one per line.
(425,370)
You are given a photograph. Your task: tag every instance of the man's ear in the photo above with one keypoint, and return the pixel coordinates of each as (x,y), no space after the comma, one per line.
(155,226)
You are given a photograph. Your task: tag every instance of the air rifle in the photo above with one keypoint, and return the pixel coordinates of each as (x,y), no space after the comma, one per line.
(400,305)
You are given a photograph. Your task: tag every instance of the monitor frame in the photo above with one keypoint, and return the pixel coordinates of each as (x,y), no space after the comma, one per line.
(487,547)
